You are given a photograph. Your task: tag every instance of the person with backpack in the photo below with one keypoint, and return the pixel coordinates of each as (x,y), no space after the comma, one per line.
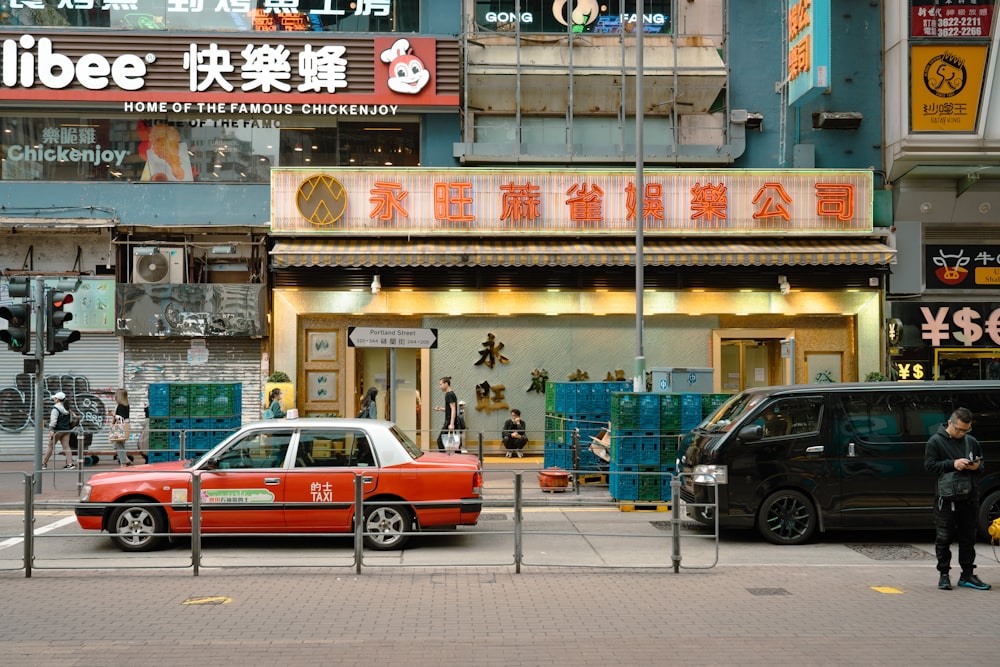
(60,426)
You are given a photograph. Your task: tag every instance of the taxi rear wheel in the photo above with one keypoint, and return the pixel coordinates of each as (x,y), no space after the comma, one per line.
(134,527)
(386,525)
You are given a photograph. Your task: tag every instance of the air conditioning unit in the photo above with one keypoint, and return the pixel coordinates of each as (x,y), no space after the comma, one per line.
(157,265)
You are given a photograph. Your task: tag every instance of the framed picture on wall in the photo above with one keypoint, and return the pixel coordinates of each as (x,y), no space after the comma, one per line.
(321,346)
(824,367)
(321,386)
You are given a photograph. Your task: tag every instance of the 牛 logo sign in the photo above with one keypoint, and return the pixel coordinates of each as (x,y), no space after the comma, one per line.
(950,267)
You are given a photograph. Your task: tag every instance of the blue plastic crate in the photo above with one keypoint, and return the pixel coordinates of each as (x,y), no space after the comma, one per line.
(665,492)
(183,423)
(160,456)
(623,481)
(226,423)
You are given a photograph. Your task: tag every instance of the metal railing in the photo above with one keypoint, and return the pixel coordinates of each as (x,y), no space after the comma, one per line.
(531,533)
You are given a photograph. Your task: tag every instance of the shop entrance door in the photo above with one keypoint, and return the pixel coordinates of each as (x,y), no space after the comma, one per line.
(750,358)
(373,367)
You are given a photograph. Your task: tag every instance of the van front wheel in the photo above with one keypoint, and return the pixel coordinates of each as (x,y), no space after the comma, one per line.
(787,517)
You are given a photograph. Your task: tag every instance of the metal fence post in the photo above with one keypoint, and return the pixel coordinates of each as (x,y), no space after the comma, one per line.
(518,544)
(359,522)
(29,523)
(575,439)
(196,522)
(675,522)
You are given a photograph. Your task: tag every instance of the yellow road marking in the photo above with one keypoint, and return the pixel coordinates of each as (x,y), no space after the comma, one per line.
(209,600)
(889,590)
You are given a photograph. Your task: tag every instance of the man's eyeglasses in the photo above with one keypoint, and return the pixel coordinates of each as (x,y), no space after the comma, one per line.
(959,428)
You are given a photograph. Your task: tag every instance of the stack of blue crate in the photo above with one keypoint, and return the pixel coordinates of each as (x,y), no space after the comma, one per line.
(576,405)
(190,418)
(645,432)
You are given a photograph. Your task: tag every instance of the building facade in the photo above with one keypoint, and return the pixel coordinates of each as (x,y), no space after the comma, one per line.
(942,133)
(384,193)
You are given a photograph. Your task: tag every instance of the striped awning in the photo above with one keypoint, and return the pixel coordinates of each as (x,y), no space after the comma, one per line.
(391,252)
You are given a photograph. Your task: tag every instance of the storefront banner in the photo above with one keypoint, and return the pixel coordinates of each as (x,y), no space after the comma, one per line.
(432,201)
(951,19)
(962,267)
(229,74)
(948,324)
(809,50)
(257,15)
(578,16)
(946,83)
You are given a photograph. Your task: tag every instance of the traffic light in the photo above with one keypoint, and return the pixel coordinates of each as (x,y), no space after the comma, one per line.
(17,335)
(57,339)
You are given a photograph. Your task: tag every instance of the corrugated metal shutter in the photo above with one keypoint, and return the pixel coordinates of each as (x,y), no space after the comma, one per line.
(149,360)
(89,372)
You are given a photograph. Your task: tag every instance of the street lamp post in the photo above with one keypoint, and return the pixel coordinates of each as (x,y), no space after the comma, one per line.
(639,379)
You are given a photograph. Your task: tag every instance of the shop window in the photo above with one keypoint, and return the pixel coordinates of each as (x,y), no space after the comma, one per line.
(194,150)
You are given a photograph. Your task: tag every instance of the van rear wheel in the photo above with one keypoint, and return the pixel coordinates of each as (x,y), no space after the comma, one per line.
(787,517)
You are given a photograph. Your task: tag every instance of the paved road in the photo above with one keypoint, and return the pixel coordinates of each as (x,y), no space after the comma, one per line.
(799,606)
(733,615)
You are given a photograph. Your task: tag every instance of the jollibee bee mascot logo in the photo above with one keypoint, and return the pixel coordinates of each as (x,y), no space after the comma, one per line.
(407,73)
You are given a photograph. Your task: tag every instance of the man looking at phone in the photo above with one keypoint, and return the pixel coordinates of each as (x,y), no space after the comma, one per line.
(952,452)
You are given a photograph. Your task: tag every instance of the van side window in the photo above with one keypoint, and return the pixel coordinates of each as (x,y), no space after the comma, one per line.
(985,413)
(790,416)
(870,416)
(925,413)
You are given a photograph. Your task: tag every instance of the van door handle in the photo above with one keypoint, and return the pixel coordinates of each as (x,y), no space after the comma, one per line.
(850,449)
(272,481)
(815,449)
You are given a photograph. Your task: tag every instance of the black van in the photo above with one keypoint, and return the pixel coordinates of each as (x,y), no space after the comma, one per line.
(795,459)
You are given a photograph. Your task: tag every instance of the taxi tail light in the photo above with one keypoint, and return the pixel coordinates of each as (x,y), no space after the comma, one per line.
(477,482)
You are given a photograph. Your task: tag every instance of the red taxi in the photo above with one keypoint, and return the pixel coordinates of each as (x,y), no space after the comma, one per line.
(290,476)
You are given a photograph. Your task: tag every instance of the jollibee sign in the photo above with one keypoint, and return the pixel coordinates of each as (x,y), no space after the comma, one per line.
(277,69)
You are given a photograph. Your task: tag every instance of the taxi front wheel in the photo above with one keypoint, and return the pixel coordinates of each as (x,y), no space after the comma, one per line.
(137,526)
(385,527)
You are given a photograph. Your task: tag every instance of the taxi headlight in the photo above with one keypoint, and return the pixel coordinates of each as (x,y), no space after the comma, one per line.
(85,493)
(710,474)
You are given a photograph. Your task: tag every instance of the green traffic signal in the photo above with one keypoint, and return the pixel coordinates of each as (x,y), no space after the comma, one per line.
(58,338)
(17,335)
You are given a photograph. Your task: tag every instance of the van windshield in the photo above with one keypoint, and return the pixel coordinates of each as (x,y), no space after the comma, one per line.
(731,412)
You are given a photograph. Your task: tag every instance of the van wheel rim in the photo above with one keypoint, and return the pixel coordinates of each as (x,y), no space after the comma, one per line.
(788,518)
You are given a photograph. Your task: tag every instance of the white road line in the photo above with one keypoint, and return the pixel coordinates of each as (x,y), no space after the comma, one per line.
(14,541)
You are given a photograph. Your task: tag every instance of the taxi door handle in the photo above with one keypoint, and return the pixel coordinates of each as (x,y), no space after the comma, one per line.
(815,449)
(272,481)
(367,480)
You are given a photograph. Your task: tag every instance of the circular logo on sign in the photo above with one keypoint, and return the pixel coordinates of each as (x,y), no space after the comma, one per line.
(945,75)
(322,200)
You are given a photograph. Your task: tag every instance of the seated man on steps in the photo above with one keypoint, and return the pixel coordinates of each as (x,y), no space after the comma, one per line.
(514,434)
